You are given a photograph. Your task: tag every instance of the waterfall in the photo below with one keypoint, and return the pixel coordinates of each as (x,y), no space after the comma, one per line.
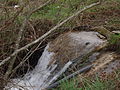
(40,76)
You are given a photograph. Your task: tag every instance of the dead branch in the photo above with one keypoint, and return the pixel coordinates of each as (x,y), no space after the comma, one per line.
(11,20)
(84,69)
(26,58)
(16,47)
(49,32)
(19,39)
(74,61)
(66,66)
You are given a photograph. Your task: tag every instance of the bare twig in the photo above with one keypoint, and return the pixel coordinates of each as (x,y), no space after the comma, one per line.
(17,46)
(32,29)
(28,14)
(19,38)
(26,58)
(49,32)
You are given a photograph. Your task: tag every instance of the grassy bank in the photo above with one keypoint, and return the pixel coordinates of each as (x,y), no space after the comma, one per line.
(92,83)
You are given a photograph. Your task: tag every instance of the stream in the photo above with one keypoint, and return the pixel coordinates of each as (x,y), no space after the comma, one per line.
(55,56)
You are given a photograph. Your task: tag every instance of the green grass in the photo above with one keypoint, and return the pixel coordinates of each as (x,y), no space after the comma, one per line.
(115,38)
(96,84)
(89,84)
(56,11)
(61,9)
(69,85)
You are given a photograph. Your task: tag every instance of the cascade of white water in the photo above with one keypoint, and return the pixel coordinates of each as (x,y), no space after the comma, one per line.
(36,79)
(40,76)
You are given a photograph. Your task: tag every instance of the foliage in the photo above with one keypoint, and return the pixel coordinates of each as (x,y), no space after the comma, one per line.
(56,11)
(114,38)
(69,85)
(90,84)
(61,9)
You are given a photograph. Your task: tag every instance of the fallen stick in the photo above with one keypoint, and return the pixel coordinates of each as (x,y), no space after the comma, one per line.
(70,76)
(74,61)
(66,66)
(10,66)
(49,32)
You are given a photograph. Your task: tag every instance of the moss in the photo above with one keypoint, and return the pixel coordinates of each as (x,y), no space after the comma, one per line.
(114,43)
(114,38)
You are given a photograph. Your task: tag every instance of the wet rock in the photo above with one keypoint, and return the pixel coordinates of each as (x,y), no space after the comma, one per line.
(105,66)
(57,53)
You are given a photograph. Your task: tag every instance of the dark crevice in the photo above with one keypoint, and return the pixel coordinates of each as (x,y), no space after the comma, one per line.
(30,64)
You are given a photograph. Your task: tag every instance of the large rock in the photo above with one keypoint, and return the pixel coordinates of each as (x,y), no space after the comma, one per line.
(56,54)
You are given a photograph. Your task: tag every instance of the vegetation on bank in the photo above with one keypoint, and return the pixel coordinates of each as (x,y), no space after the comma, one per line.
(90,83)
(107,14)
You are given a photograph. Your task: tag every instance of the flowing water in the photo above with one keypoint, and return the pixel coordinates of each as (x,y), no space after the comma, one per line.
(40,77)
